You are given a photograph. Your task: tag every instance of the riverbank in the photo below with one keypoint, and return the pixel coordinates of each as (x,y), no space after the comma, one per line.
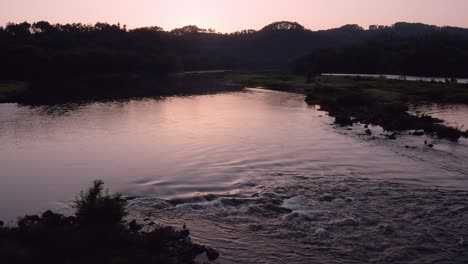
(97,233)
(11,89)
(90,88)
(370,101)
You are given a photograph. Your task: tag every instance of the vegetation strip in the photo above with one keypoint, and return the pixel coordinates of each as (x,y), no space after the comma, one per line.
(376,101)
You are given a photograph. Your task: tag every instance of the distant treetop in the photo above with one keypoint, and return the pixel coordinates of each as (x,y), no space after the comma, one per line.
(284,26)
(191,29)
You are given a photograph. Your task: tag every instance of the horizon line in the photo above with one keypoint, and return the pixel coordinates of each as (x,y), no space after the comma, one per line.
(219,32)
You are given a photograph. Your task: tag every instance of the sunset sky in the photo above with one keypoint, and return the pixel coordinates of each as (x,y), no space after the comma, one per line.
(233,15)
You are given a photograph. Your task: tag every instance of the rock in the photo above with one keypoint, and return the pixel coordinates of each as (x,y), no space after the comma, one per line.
(134,226)
(343,120)
(326,198)
(386,229)
(321,232)
(184,233)
(277,209)
(199,259)
(349,199)
(392,136)
(430,145)
(212,254)
(368,132)
(366,126)
(418,133)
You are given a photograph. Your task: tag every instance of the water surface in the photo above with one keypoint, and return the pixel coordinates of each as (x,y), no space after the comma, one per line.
(398,77)
(258,175)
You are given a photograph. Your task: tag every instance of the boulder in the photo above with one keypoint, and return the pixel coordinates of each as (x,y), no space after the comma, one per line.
(184,233)
(343,121)
(134,226)
(212,254)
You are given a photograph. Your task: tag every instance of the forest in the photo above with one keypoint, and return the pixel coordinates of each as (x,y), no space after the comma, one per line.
(44,50)
(43,61)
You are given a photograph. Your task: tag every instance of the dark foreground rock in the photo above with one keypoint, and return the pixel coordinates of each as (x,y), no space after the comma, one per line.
(55,238)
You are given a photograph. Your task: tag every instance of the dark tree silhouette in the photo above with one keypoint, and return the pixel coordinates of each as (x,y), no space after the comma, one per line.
(54,51)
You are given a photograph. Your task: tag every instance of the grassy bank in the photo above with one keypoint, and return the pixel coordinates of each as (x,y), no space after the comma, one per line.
(9,90)
(376,101)
(97,233)
(381,88)
(105,87)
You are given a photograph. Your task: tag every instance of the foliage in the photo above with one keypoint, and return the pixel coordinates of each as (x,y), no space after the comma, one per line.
(92,237)
(9,90)
(97,208)
(52,56)
(45,50)
(283,26)
(435,53)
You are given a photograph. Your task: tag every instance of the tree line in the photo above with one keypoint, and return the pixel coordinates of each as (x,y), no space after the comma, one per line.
(44,50)
(432,54)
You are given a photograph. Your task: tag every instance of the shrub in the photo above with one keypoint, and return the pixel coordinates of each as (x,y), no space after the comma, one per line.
(96,208)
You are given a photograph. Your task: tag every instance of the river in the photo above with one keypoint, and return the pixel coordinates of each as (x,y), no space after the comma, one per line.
(259,175)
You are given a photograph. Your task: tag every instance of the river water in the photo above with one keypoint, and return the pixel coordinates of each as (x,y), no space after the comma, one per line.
(399,77)
(259,175)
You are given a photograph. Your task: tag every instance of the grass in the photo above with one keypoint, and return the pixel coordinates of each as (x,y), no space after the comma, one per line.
(377,101)
(272,81)
(382,88)
(9,89)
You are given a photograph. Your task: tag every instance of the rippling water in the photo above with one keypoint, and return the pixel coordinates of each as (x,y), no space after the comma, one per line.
(453,115)
(258,175)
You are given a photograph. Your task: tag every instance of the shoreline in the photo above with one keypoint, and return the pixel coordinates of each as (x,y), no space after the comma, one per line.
(110,87)
(370,101)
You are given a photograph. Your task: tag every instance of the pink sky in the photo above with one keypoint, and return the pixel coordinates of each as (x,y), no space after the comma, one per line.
(232,15)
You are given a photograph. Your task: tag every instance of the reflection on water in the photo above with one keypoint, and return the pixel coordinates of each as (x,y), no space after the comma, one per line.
(257,174)
(398,77)
(453,115)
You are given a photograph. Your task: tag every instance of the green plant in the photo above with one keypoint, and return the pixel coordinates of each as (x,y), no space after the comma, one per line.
(97,208)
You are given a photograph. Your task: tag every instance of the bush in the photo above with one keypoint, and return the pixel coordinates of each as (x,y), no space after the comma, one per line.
(96,208)
(91,237)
